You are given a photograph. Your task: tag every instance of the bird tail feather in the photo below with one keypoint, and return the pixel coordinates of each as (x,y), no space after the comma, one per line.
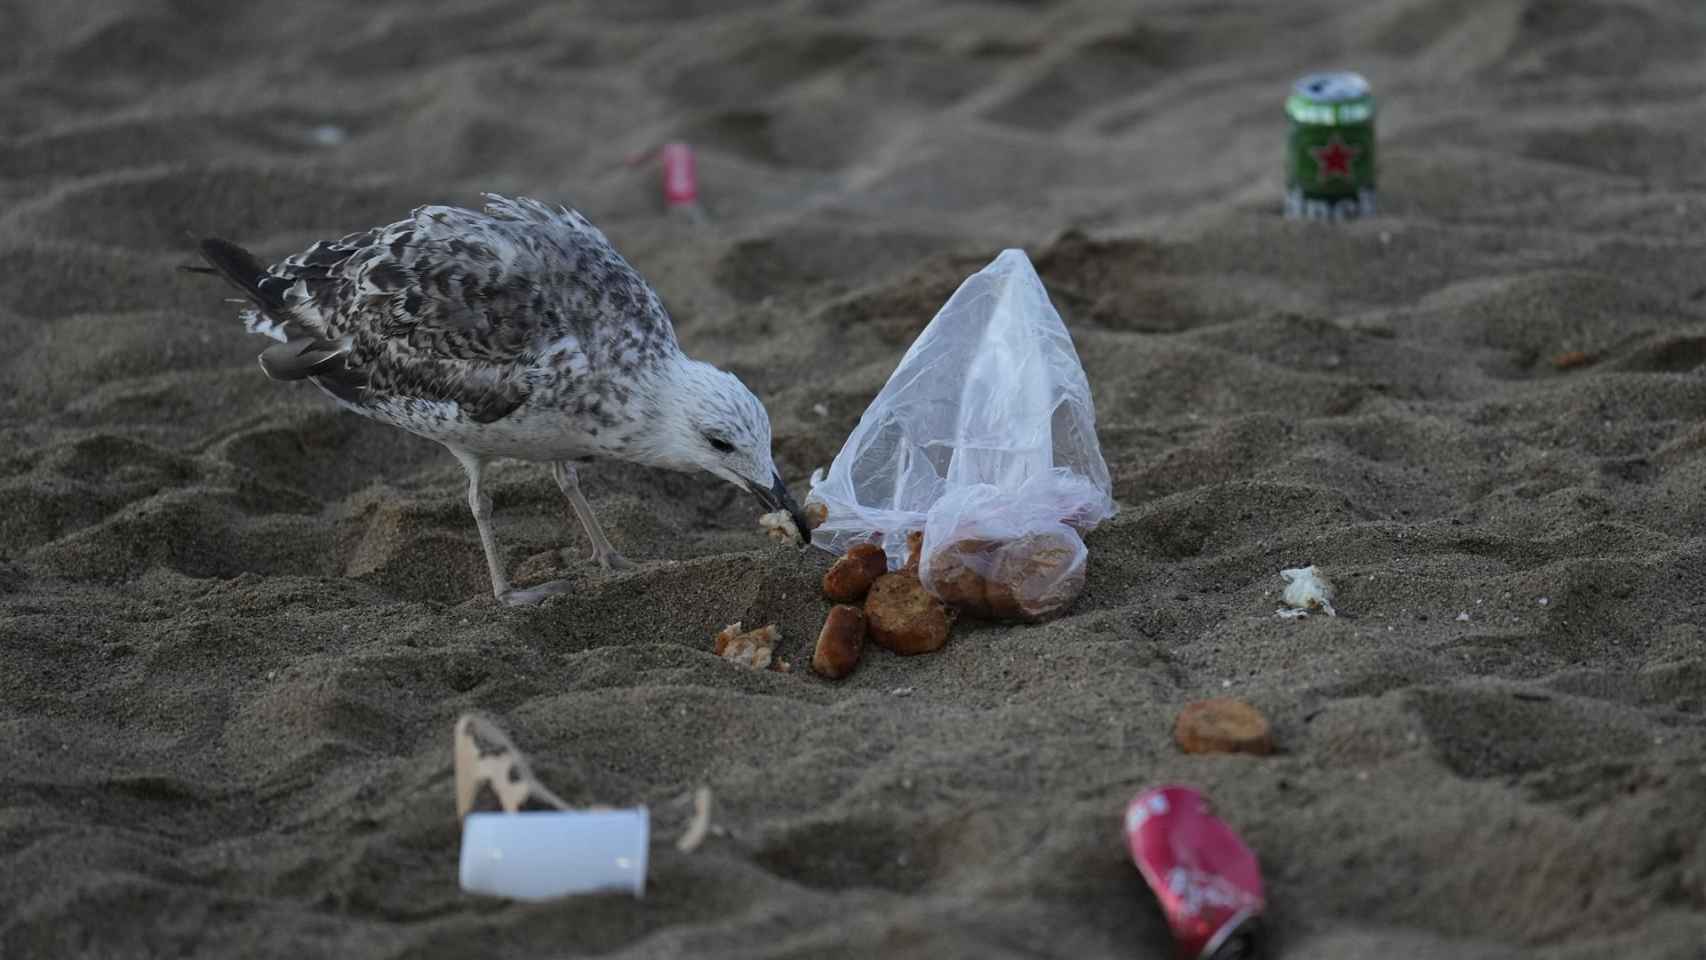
(269,316)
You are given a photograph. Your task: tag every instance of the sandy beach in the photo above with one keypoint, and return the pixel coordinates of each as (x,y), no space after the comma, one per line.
(237,625)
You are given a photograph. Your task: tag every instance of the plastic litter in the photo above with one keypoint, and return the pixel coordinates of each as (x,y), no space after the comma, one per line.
(536,854)
(985,434)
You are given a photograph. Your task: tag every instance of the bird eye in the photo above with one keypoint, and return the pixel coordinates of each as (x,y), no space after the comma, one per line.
(719,444)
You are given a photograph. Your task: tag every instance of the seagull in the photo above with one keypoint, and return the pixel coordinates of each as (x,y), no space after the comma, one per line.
(517,331)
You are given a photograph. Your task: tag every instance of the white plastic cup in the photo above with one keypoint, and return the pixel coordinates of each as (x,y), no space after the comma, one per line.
(537,855)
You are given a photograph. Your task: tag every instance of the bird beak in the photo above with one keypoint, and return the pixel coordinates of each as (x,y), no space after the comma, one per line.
(778,498)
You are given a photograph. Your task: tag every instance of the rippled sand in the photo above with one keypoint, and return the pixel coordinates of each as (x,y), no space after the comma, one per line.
(236,626)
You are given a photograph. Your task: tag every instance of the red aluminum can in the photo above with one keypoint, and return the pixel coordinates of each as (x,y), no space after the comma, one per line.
(1208,881)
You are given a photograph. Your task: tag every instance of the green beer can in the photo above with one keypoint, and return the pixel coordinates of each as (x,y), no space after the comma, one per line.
(1329,161)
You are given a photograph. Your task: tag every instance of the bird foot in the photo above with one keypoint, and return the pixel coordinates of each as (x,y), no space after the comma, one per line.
(533,595)
(613,561)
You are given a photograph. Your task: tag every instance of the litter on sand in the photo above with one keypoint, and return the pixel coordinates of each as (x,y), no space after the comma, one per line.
(544,852)
(491,771)
(1306,591)
(779,526)
(983,439)
(750,648)
(700,825)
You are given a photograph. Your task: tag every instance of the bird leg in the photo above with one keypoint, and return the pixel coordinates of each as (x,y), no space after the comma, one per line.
(603,553)
(481,505)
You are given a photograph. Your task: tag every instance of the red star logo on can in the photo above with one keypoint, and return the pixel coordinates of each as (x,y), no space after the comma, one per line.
(1334,159)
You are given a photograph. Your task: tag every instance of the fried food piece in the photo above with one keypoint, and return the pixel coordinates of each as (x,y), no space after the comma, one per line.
(914,550)
(1222,725)
(720,643)
(959,574)
(1031,578)
(903,617)
(840,642)
(1037,576)
(851,577)
(753,648)
(815,512)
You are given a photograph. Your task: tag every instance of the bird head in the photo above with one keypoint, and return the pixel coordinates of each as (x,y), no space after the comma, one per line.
(710,421)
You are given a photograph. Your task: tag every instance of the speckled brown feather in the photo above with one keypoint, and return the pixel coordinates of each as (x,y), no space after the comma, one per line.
(483,310)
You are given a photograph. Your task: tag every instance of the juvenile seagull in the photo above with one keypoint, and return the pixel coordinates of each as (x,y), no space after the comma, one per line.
(517,332)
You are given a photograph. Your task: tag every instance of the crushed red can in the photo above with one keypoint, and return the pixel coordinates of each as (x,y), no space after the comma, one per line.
(1208,882)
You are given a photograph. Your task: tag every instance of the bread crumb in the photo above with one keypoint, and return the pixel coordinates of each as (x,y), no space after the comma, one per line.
(699,825)
(755,648)
(1306,589)
(780,527)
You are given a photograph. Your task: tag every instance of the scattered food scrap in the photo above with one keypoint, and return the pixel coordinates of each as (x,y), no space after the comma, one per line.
(851,577)
(903,617)
(700,825)
(781,527)
(840,643)
(914,550)
(778,525)
(1306,590)
(1222,725)
(755,648)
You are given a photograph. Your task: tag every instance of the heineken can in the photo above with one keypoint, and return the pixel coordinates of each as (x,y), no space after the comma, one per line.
(1329,161)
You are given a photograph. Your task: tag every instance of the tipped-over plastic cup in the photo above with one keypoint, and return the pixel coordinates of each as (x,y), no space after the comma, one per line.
(538,855)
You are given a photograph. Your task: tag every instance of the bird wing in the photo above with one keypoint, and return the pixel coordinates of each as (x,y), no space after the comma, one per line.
(457,305)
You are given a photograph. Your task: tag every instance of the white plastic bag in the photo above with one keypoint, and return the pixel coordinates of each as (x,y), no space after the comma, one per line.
(984,437)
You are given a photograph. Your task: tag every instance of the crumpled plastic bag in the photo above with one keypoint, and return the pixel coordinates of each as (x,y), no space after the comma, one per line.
(984,438)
